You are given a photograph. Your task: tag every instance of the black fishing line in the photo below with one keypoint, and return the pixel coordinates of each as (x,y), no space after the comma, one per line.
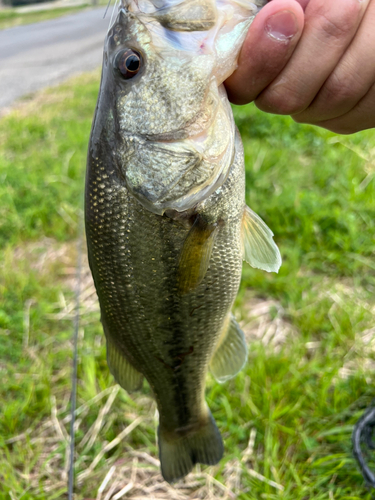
(73,398)
(362,433)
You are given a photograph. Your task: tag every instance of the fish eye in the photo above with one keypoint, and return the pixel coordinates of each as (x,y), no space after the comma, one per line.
(128,62)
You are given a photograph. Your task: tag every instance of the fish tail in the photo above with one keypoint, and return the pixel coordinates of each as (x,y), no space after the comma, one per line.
(178,455)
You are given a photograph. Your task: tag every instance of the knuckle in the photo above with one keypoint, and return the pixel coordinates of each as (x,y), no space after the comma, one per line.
(281,102)
(338,24)
(342,87)
(339,90)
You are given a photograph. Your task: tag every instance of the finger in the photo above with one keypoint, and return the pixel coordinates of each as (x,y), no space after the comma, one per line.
(361,117)
(303,3)
(352,78)
(329,29)
(269,44)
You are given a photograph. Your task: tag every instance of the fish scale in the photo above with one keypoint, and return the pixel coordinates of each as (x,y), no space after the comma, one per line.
(166,221)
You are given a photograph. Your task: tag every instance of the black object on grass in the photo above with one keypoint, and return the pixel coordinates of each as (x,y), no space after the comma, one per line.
(364,433)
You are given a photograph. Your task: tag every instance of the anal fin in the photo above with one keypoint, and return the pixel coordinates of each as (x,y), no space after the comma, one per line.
(259,249)
(231,353)
(123,372)
(196,254)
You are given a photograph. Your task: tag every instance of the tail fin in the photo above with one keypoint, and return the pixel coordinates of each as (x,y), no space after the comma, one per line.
(178,455)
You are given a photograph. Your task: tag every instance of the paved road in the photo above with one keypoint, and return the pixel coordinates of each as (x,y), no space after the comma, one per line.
(37,55)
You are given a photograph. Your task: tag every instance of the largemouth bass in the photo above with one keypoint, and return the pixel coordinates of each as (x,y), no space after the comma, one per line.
(166,220)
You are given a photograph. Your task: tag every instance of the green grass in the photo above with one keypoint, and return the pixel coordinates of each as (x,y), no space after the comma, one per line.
(311,361)
(9,18)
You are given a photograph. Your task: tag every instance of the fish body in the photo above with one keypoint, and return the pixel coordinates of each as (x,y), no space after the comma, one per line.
(166,221)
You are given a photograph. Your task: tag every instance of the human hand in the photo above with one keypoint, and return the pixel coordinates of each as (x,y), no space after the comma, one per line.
(312,59)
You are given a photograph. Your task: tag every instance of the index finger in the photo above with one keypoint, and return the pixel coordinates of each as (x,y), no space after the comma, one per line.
(269,44)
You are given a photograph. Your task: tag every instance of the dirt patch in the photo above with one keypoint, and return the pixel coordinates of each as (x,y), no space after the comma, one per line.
(264,320)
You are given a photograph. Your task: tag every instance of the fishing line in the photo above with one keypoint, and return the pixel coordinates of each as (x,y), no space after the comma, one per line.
(106,10)
(113,12)
(363,433)
(75,356)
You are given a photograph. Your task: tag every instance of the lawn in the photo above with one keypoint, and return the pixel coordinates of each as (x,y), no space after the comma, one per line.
(12,17)
(287,418)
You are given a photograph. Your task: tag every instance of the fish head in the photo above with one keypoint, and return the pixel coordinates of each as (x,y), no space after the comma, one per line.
(158,87)
(163,98)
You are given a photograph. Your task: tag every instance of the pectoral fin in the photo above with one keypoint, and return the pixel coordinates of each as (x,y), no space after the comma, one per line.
(259,249)
(231,353)
(123,372)
(196,254)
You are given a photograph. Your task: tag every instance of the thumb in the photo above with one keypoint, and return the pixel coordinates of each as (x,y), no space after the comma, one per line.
(269,44)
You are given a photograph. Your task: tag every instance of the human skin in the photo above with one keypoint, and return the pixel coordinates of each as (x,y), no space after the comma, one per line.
(313,60)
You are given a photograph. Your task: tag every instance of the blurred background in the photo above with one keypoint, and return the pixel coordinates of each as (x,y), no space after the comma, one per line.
(287,418)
